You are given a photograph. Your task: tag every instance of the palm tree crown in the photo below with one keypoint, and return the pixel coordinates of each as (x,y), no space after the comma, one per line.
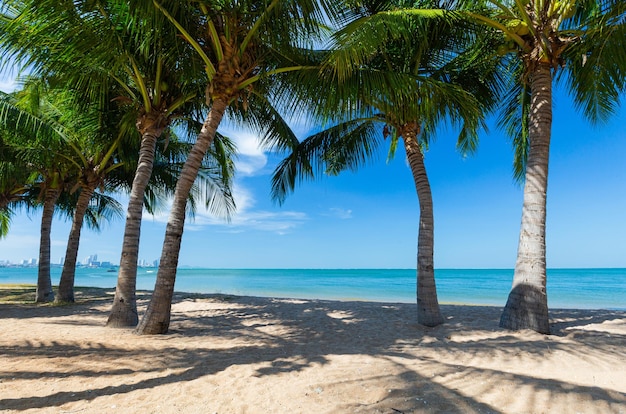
(409,81)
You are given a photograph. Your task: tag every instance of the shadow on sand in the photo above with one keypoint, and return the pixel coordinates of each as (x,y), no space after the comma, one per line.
(282,336)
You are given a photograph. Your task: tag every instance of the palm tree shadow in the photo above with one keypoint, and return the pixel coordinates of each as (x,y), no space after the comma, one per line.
(283,336)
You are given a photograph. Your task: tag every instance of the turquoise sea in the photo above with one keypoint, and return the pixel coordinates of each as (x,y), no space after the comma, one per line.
(567,288)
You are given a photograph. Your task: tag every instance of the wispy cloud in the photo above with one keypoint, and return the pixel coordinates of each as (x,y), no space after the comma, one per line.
(245,218)
(281,222)
(340,213)
(7,85)
(251,160)
(8,79)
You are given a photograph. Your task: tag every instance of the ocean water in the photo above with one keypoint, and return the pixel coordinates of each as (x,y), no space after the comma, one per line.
(567,288)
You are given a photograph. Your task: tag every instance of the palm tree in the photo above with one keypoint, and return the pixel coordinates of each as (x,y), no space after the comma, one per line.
(39,123)
(92,151)
(581,43)
(161,88)
(435,85)
(239,44)
(44,176)
(93,45)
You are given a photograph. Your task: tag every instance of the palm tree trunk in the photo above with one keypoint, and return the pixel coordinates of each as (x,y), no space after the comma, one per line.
(157,317)
(428,312)
(44,282)
(66,285)
(124,310)
(527,304)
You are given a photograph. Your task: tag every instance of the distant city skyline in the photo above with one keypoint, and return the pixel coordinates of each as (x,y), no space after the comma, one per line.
(90,261)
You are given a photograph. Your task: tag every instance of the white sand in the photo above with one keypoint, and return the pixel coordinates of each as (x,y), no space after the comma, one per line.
(255,355)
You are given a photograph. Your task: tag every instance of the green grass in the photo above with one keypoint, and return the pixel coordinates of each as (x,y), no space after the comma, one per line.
(25,295)
(17,294)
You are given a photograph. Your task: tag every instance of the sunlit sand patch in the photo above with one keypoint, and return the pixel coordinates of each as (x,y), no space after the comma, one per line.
(292,301)
(195,305)
(346,317)
(616,326)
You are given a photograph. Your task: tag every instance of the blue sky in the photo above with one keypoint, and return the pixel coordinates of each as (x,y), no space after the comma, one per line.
(368,219)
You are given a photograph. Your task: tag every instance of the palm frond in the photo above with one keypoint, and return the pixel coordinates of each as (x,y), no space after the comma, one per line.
(596,64)
(343,146)
(5,222)
(102,208)
(514,120)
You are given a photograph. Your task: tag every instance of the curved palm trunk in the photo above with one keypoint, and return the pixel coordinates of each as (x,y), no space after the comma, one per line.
(66,285)
(428,312)
(44,282)
(124,310)
(527,304)
(157,317)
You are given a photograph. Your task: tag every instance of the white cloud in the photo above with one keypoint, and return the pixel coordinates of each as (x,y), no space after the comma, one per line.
(341,213)
(8,79)
(281,222)
(251,159)
(7,85)
(245,218)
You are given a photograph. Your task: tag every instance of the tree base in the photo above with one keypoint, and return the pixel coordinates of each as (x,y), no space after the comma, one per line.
(123,315)
(44,298)
(154,328)
(526,308)
(63,300)
(429,316)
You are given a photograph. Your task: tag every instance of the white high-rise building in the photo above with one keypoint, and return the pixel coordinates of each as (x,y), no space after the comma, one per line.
(89,260)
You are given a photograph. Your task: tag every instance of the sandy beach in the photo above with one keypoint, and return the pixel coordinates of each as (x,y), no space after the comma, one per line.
(232,354)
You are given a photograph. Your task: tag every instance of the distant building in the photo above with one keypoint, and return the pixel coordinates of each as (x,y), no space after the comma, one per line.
(91,261)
